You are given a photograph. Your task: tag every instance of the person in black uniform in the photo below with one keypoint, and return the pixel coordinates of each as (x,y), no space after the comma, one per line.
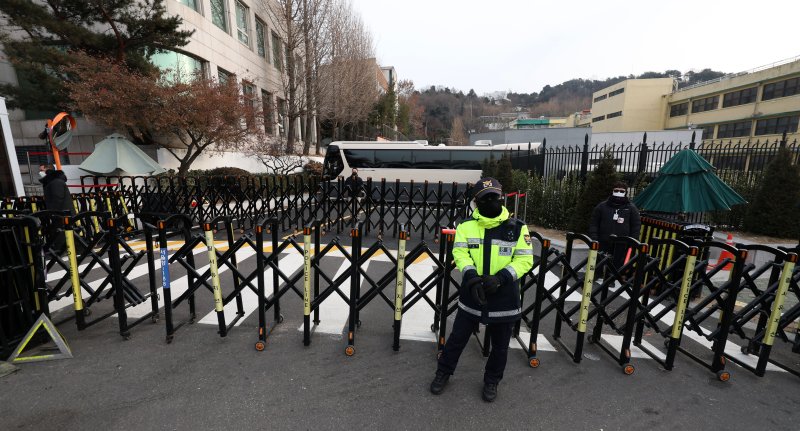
(617,215)
(492,251)
(353,185)
(56,197)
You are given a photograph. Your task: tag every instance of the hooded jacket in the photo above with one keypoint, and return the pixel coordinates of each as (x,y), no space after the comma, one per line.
(498,246)
(56,192)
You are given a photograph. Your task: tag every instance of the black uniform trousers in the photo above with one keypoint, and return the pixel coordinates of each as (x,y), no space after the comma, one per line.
(463,328)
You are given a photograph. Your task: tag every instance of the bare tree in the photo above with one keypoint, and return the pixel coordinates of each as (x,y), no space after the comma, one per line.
(347,77)
(271,153)
(186,117)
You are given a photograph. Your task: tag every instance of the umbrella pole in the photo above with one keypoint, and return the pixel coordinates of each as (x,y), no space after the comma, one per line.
(56,158)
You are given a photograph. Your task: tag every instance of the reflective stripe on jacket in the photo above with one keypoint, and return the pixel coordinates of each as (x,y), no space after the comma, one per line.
(498,246)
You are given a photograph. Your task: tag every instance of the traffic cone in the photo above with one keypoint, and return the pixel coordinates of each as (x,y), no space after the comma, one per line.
(725,255)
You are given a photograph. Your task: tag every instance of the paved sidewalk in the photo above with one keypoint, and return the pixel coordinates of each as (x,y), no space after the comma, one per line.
(202,381)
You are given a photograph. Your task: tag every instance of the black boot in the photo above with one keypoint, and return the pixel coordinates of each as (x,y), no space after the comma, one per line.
(489,392)
(439,382)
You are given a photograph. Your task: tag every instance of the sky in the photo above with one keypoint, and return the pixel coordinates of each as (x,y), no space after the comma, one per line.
(523,45)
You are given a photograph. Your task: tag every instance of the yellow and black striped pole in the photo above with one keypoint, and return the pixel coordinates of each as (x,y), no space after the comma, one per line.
(215,284)
(586,298)
(93,207)
(775,315)
(680,308)
(399,288)
(306,286)
(73,272)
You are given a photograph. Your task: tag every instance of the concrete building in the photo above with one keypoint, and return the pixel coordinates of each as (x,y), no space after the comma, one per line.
(630,105)
(759,104)
(233,39)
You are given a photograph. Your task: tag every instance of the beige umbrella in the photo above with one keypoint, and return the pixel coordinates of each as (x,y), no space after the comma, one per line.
(116,155)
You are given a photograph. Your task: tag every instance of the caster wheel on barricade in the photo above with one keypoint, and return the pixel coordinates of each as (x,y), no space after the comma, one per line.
(260,346)
(533,362)
(628,369)
(87,312)
(350,350)
(591,339)
(723,376)
(358,323)
(433,328)
(280,318)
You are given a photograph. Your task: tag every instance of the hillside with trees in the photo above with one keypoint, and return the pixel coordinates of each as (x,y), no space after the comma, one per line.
(443,107)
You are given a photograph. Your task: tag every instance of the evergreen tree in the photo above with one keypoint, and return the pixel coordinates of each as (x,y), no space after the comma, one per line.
(597,189)
(774,211)
(504,174)
(38,38)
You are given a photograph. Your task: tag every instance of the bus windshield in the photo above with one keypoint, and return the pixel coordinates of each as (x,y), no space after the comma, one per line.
(332,165)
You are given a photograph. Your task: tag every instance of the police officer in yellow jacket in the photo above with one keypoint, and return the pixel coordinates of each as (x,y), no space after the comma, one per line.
(492,251)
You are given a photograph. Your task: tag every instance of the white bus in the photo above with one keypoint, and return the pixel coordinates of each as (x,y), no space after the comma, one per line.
(412,161)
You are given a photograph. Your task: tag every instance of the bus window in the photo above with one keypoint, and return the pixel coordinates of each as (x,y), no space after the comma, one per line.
(332,165)
(393,159)
(360,158)
(427,159)
(465,159)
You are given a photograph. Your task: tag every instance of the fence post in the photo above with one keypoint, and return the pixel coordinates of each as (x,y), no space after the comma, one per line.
(585,158)
(543,154)
(783,139)
(692,144)
(642,156)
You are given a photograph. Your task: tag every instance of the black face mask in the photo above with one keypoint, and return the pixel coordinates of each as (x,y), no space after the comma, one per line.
(491,207)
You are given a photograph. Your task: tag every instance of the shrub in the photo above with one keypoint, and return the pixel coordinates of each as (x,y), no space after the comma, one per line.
(774,210)
(313,168)
(598,187)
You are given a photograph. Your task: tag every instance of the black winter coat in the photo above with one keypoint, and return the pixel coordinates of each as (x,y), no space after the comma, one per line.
(603,224)
(56,193)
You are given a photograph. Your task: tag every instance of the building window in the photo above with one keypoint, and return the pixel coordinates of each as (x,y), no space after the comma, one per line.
(774,126)
(282,124)
(242,23)
(599,98)
(277,57)
(748,95)
(269,112)
(223,76)
(778,89)
(734,130)
(600,118)
(614,114)
(615,92)
(177,66)
(191,3)
(261,39)
(705,104)
(218,14)
(679,109)
(708,131)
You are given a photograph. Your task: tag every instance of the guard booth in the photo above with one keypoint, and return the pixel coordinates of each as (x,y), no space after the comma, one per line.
(10,178)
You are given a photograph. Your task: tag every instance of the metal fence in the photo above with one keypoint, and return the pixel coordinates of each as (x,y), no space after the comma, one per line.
(731,158)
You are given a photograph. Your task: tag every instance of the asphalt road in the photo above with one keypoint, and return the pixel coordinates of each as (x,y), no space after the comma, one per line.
(203,381)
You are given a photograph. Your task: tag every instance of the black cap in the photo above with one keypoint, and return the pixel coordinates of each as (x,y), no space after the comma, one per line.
(486,186)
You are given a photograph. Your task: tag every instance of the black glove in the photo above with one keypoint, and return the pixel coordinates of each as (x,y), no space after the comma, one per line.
(475,287)
(491,283)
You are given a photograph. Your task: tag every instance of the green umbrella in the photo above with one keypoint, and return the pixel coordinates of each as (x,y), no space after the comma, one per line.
(687,184)
(116,155)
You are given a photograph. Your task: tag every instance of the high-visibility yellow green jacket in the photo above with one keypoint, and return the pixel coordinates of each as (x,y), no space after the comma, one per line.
(498,246)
